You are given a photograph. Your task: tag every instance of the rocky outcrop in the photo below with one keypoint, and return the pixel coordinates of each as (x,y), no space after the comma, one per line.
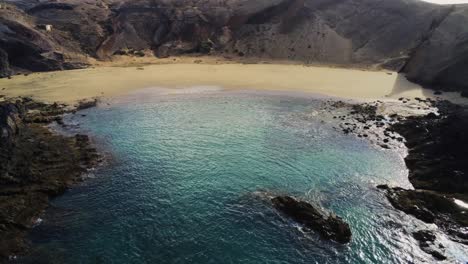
(441,60)
(24,47)
(4,64)
(329,226)
(35,165)
(10,122)
(83,24)
(427,242)
(85,104)
(437,149)
(437,153)
(433,208)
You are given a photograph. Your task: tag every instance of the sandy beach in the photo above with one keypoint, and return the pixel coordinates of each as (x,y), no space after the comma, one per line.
(108,79)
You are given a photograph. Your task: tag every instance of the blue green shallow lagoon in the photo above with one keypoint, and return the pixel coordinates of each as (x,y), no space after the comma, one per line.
(187,177)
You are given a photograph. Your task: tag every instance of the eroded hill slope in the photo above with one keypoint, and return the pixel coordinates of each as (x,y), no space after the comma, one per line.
(428,42)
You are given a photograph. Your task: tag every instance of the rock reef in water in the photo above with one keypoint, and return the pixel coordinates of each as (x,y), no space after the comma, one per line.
(427,241)
(437,155)
(35,165)
(424,40)
(437,149)
(432,208)
(436,160)
(328,226)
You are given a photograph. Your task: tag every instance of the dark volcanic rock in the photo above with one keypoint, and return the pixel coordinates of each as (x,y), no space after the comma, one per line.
(85,104)
(437,155)
(30,49)
(328,226)
(432,207)
(437,149)
(383,187)
(10,122)
(427,205)
(79,25)
(35,165)
(4,64)
(426,241)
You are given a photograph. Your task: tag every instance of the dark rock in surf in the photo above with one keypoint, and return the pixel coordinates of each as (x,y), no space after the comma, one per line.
(383,187)
(437,149)
(426,239)
(431,116)
(328,226)
(433,208)
(85,104)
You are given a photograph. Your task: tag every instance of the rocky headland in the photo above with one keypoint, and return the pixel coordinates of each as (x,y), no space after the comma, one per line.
(35,165)
(436,144)
(437,169)
(434,133)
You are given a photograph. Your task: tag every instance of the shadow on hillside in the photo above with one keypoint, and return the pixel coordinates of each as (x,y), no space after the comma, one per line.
(403,86)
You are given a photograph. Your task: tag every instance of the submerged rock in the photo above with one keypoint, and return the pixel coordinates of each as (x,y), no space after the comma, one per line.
(427,239)
(328,226)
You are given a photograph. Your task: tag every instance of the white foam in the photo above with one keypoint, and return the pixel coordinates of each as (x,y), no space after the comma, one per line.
(461,203)
(38,221)
(195,90)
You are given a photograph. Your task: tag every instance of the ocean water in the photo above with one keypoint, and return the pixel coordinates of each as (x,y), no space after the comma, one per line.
(187,180)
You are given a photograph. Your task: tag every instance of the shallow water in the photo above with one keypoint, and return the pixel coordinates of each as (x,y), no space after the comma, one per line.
(189,177)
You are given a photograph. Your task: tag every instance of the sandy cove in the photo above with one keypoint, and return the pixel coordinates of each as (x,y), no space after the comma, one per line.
(118,78)
(108,79)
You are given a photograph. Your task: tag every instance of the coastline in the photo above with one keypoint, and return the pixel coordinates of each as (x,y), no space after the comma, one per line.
(437,167)
(108,79)
(36,165)
(51,87)
(436,153)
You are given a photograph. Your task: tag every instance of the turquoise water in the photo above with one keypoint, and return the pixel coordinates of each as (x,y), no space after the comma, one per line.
(187,179)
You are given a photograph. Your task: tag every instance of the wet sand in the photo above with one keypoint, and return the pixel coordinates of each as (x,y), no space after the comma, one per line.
(108,81)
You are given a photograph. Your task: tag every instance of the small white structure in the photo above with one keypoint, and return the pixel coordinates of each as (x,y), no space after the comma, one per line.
(45,27)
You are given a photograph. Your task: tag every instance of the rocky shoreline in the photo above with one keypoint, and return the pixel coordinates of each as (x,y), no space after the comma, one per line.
(437,146)
(35,166)
(437,154)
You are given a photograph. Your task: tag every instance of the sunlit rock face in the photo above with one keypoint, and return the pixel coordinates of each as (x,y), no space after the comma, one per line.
(442,58)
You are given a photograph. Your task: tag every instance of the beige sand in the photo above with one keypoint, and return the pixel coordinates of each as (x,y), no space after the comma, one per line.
(102,80)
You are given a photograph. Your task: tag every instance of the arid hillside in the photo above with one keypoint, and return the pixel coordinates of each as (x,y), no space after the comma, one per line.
(428,42)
